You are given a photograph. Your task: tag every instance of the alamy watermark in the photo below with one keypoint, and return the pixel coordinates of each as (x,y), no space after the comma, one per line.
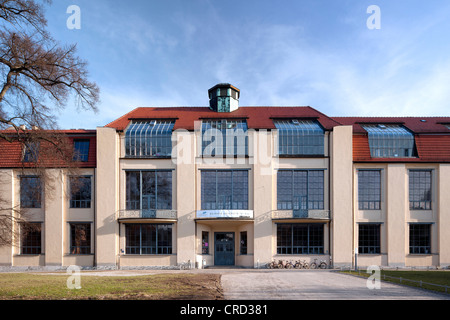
(374,20)
(74,280)
(74,20)
(374,280)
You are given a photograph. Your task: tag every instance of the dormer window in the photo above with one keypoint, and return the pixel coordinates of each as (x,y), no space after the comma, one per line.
(300,137)
(149,139)
(31,152)
(224,137)
(390,141)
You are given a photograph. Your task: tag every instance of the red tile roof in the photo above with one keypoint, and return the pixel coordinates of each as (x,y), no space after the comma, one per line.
(432,137)
(257,117)
(11,153)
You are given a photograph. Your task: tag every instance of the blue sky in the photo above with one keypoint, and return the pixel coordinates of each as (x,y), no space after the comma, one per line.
(278,53)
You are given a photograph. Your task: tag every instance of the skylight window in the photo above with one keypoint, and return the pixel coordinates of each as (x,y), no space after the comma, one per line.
(224,137)
(390,141)
(149,139)
(299,137)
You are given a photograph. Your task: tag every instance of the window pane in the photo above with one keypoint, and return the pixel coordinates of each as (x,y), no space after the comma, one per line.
(133,190)
(30,238)
(389,141)
(369,189)
(148,238)
(300,238)
(81,150)
(224,137)
(369,239)
(80,238)
(224,189)
(30,192)
(152,139)
(300,137)
(80,192)
(420,189)
(420,238)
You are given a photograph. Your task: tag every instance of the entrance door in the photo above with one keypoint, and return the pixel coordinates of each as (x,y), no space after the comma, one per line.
(224,248)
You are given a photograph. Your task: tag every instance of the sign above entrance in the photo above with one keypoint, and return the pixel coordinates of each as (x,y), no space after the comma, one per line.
(204,214)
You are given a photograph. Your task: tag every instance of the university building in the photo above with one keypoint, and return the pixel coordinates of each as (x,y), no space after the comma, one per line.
(228,185)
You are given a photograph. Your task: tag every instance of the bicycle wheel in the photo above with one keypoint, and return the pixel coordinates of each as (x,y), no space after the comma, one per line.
(313,265)
(323,265)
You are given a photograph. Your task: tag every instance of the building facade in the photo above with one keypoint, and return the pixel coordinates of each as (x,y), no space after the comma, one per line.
(227,185)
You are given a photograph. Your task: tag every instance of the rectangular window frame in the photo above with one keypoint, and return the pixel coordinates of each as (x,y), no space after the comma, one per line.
(31,198)
(80,198)
(31,238)
(150,199)
(420,182)
(369,191)
(420,238)
(219,194)
(313,196)
(243,243)
(82,245)
(227,129)
(81,150)
(205,242)
(297,137)
(300,238)
(148,239)
(369,238)
(149,138)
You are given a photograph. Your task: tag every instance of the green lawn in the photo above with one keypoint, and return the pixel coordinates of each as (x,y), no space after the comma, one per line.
(437,277)
(25,286)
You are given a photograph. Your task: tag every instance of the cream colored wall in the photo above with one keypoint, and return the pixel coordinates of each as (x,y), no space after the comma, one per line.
(341,196)
(107,204)
(443,220)
(395,216)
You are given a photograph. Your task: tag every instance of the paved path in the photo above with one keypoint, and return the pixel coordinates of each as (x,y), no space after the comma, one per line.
(313,285)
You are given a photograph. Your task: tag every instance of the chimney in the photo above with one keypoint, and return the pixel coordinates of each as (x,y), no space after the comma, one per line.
(224,97)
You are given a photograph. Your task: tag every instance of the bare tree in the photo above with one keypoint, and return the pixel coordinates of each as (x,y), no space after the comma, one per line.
(38,77)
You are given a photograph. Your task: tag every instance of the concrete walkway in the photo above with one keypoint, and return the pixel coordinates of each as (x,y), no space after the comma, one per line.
(313,285)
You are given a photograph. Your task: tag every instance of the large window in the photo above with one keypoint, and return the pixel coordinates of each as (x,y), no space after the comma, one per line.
(30,238)
(300,190)
(299,137)
(148,238)
(149,190)
(224,138)
(390,141)
(224,189)
(300,238)
(80,238)
(419,238)
(81,150)
(80,192)
(420,189)
(369,189)
(30,192)
(149,139)
(369,239)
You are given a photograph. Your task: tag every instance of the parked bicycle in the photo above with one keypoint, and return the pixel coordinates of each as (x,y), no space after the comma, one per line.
(318,265)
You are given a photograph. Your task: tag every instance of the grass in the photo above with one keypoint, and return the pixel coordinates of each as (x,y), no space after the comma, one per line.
(25,286)
(436,278)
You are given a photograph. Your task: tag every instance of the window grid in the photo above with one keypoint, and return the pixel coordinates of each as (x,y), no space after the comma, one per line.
(80,238)
(243,243)
(31,238)
(420,189)
(369,189)
(233,134)
(81,150)
(300,190)
(31,151)
(300,238)
(80,192)
(299,137)
(149,139)
(389,141)
(149,190)
(420,238)
(30,192)
(148,239)
(369,239)
(224,189)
